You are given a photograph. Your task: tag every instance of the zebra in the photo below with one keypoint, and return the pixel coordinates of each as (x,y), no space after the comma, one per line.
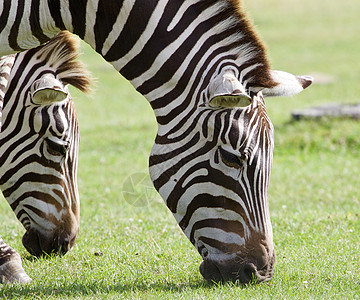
(205,72)
(39,143)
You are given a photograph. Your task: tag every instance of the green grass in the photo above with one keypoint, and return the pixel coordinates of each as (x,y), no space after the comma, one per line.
(314,191)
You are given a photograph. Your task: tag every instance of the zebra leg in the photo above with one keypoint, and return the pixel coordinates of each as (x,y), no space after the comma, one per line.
(11,269)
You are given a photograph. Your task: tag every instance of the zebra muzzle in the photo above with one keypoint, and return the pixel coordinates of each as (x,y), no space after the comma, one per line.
(243,273)
(40,244)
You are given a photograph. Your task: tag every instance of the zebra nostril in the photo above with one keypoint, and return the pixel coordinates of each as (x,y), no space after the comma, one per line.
(210,271)
(66,242)
(64,246)
(231,271)
(248,273)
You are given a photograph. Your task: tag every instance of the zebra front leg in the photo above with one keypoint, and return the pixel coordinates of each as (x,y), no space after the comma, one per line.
(11,269)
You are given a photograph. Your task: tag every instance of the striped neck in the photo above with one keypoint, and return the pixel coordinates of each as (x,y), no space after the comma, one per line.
(171,50)
(167,49)
(165,45)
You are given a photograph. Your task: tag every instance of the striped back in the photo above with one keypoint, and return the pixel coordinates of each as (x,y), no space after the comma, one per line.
(39,143)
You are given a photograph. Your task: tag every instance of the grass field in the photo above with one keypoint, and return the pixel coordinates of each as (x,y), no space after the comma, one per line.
(135,250)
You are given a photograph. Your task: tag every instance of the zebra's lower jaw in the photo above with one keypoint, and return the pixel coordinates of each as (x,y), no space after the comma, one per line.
(40,244)
(231,270)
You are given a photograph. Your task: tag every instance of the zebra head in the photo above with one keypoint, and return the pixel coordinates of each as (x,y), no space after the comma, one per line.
(213,170)
(39,145)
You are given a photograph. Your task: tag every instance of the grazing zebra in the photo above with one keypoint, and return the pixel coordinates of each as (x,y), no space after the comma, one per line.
(204,71)
(39,143)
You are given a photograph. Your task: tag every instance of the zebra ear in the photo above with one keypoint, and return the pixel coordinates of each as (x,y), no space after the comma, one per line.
(225,90)
(288,84)
(48,90)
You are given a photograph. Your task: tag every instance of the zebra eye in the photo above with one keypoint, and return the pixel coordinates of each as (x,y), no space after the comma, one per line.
(57,147)
(229,159)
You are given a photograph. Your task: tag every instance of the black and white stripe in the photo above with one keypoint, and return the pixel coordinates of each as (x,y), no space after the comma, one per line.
(204,71)
(39,144)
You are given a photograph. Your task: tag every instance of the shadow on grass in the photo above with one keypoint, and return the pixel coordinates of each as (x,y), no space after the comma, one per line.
(97,288)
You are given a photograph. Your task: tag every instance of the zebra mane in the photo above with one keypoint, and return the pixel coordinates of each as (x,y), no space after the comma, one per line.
(6,63)
(247,41)
(61,53)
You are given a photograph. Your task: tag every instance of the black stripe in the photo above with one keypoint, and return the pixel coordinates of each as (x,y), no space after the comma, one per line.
(23,139)
(215,177)
(225,225)
(58,121)
(15,80)
(144,60)
(55,11)
(78,16)
(133,28)
(166,139)
(156,159)
(166,174)
(106,15)
(31,177)
(205,124)
(176,92)
(160,39)
(224,247)
(14,31)
(185,78)
(9,137)
(207,200)
(43,215)
(41,160)
(234,130)
(5,14)
(35,22)
(224,125)
(48,198)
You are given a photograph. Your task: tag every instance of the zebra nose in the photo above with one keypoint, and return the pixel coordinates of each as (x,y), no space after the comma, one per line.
(231,271)
(40,244)
(248,273)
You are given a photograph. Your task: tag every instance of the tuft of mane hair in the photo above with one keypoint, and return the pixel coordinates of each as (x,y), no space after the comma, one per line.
(6,63)
(239,24)
(61,53)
